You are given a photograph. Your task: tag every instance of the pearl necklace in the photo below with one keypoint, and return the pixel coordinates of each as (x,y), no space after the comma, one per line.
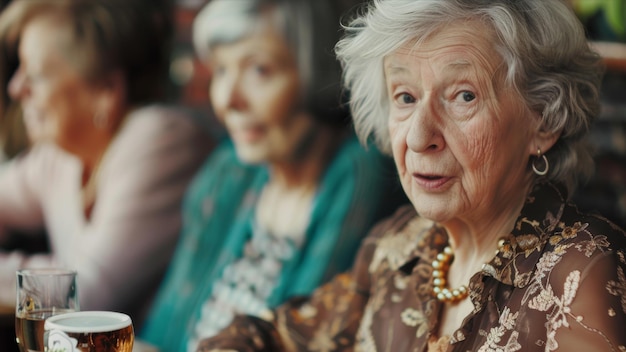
(440,271)
(441,265)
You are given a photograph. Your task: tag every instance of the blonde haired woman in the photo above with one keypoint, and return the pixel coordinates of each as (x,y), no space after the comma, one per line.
(107,173)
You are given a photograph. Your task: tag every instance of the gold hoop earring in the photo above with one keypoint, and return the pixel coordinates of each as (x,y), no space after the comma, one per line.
(545,161)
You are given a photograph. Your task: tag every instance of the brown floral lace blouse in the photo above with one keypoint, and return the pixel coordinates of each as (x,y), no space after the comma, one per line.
(558,284)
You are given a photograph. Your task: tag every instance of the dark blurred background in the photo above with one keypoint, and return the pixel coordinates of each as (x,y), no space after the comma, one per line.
(605,23)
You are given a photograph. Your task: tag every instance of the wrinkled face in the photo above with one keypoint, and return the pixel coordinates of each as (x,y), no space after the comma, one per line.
(57,103)
(255,91)
(461,138)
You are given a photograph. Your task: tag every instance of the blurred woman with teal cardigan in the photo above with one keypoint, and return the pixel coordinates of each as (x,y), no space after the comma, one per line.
(283,204)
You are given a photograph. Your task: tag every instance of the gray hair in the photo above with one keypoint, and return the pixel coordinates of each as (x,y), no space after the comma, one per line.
(548,62)
(310,28)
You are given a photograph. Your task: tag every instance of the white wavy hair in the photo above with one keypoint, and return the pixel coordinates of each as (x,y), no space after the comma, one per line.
(547,57)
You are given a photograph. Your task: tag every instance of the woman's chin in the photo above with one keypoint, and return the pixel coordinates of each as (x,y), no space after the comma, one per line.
(435,212)
(435,217)
(251,155)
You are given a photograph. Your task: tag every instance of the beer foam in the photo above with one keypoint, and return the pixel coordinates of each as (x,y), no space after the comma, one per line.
(88,321)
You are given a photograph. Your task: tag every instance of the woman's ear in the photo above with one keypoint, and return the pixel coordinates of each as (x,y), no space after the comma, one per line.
(114,88)
(543,140)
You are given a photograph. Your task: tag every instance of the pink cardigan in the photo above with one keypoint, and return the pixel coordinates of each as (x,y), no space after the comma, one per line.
(122,252)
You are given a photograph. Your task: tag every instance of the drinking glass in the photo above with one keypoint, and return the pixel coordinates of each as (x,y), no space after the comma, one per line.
(41,293)
(89,331)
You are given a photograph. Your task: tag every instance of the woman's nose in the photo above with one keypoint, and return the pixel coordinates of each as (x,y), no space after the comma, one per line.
(425,129)
(236,96)
(229,93)
(17,85)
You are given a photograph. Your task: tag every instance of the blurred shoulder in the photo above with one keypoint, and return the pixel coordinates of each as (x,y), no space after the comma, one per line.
(155,121)
(167,136)
(44,151)
(43,156)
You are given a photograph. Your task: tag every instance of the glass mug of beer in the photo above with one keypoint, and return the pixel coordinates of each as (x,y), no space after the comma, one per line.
(41,293)
(89,331)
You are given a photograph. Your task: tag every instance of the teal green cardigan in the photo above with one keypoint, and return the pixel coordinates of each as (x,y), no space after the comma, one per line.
(356,190)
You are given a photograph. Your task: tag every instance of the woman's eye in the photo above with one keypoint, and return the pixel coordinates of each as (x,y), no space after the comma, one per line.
(261,70)
(406,98)
(467,96)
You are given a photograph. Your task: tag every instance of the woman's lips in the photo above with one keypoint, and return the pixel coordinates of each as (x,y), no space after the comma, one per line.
(431,182)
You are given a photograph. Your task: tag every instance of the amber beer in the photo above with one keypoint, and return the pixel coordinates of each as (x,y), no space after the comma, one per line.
(41,293)
(89,331)
(29,328)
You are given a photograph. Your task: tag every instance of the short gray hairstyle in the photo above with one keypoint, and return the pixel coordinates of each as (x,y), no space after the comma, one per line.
(547,57)
(310,28)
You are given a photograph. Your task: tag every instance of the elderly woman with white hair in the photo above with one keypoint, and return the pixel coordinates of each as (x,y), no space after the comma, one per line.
(484,106)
